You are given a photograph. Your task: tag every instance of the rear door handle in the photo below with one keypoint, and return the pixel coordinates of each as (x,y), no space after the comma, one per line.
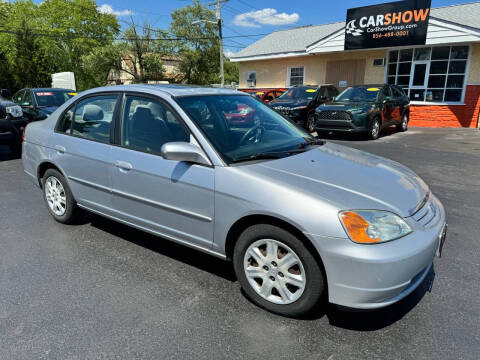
(123,165)
(60,149)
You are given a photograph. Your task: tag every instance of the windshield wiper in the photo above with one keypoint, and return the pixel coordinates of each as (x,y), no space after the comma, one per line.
(311,142)
(269,155)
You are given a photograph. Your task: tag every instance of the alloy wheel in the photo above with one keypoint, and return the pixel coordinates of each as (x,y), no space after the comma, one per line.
(404,122)
(274,271)
(311,123)
(375,130)
(55,196)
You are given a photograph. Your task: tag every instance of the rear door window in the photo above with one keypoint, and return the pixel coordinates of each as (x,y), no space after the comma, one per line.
(18,97)
(94,116)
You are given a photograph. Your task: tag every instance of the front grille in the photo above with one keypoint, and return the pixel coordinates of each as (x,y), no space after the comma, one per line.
(334,115)
(427,213)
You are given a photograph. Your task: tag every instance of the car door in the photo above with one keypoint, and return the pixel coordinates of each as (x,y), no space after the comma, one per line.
(401,102)
(82,149)
(171,198)
(388,105)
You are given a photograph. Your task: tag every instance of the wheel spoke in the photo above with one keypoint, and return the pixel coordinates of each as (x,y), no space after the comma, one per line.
(257,256)
(285,294)
(266,289)
(255,272)
(287,262)
(295,280)
(272,249)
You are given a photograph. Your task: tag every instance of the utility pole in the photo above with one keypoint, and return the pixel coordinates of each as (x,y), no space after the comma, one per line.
(218,11)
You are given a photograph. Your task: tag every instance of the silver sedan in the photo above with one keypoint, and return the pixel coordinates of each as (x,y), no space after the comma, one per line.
(223,173)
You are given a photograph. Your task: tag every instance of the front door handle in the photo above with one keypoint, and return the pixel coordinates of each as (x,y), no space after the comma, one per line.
(123,165)
(60,149)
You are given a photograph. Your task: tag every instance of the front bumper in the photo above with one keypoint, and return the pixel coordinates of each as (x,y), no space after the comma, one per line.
(374,276)
(338,125)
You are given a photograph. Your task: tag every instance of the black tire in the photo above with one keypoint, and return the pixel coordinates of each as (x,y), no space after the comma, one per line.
(403,126)
(310,122)
(16,148)
(72,211)
(314,283)
(374,129)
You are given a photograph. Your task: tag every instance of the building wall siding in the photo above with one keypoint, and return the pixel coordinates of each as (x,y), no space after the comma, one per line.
(272,73)
(449,115)
(474,73)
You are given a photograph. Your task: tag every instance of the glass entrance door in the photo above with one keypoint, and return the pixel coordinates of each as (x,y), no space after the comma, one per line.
(418,80)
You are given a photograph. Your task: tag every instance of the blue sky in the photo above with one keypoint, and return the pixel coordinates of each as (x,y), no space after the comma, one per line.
(248,17)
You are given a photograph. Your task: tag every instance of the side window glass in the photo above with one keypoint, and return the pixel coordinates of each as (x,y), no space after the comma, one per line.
(148,124)
(65,123)
(93,118)
(27,98)
(397,94)
(386,92)
(18,97)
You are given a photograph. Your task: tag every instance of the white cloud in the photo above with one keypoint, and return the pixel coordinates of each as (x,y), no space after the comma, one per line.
(228,53)
(108,9)
(266,16)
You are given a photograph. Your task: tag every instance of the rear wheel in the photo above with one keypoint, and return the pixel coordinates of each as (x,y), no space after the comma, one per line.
(276,270)
(59,198)
(374,131)
(403,126)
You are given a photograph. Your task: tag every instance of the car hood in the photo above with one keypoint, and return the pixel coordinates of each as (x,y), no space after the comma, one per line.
(348,179)
(289,102)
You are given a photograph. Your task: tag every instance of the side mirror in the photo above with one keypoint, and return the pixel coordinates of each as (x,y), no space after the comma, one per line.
(5,93)
(183,151)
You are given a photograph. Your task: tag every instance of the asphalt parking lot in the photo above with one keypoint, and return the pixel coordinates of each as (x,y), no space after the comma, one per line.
(100,290)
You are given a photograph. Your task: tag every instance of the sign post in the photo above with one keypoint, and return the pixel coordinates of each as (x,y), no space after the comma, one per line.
(399,23)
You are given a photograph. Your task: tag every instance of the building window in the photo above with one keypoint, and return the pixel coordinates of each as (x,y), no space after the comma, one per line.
(430,74)
(252,79)
(296,76)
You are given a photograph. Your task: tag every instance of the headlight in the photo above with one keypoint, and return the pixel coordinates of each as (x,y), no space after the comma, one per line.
(358,111)
(373,226)
(15,111)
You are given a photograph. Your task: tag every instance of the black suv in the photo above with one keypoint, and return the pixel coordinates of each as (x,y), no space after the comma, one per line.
(12,124)
(39,103)
(365,109)
(299,102)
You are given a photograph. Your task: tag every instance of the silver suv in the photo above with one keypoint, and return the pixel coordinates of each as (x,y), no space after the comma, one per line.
(219,171)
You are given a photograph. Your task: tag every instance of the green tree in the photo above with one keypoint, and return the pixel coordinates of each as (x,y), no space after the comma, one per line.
(231,71)
(54,36)
(200,62)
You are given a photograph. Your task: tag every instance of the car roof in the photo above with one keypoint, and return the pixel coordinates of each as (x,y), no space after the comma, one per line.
(48,89)
(171,89)
(370,85)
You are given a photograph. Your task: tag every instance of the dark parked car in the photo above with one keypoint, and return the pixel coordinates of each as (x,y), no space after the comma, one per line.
(299,102)
(365,109)
(12,123)
(37,104)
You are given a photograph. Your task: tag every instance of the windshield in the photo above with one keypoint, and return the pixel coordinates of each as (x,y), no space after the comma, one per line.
(241,127)
(305,93)
(358,94)
(53,97)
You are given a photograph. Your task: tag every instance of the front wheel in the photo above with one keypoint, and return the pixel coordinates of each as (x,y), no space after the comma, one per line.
(276,271)
(374,131)
(311,122)
(403,126)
